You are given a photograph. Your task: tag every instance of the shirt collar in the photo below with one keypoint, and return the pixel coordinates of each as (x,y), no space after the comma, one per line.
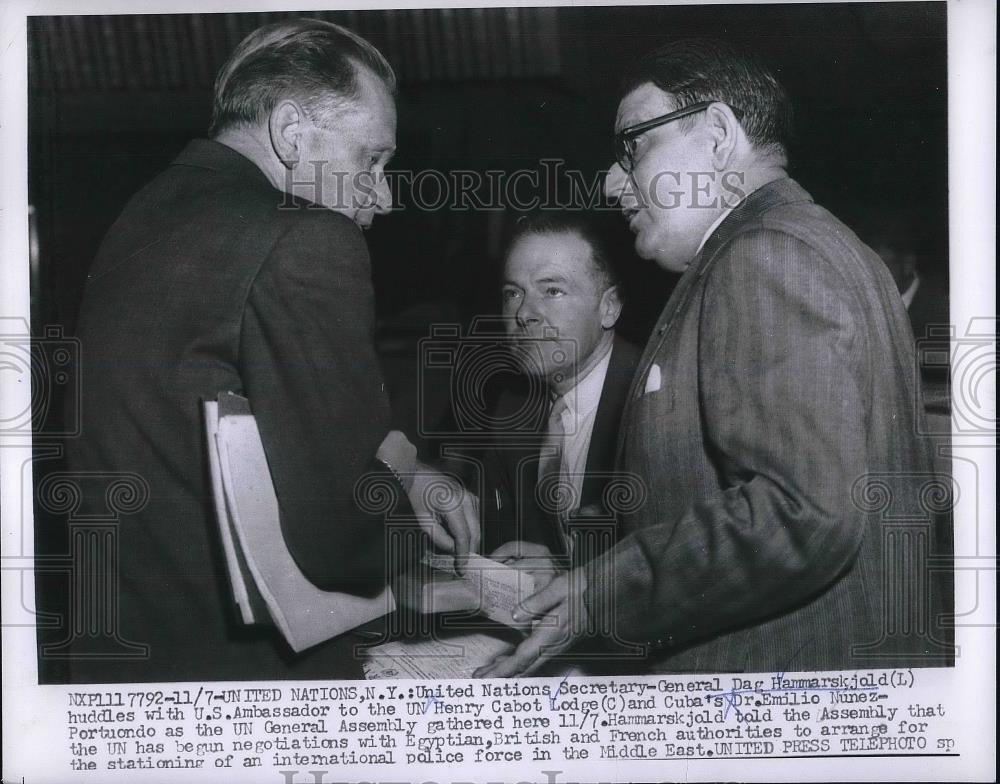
(715,224)
(584,397)
(911,291)
(782,190)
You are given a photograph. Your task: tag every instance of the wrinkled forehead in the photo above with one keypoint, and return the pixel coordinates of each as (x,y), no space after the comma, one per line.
(643,103)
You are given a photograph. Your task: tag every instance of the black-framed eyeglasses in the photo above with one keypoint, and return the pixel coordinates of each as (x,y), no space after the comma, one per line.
(625,138)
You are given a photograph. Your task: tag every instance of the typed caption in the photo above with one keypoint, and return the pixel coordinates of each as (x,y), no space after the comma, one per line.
(297,731)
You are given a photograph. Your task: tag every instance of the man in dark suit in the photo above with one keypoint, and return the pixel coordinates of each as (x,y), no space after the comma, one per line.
(561,302)
(243,267)
(773,413)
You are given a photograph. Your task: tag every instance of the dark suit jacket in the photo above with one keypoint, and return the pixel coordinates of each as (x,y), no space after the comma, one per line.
(788,521)
(510,508)
(205,284)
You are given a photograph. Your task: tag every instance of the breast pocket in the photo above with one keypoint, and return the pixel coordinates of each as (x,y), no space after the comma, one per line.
(651,421)
(665,430)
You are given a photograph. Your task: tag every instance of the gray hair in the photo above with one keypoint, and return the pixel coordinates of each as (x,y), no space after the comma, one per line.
(311,60)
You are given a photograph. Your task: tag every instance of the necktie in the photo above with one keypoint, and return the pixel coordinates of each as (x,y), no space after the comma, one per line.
(555,494)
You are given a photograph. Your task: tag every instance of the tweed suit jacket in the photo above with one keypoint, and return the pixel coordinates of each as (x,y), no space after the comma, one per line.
(510,507)
(780,460)
(213,280)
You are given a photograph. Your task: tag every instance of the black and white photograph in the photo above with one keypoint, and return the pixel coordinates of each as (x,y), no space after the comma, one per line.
(555,392)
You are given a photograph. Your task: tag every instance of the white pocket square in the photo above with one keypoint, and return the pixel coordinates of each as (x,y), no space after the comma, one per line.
(652,380)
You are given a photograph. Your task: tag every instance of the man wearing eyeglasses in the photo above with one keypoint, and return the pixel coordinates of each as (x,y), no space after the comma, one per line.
(772,416)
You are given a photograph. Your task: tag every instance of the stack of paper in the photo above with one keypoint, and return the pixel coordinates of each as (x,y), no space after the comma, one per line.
(267,583)
(457,656)
(484,585)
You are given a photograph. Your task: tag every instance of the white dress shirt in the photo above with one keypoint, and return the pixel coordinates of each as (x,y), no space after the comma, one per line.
(911,291)
(578,423)
(713,227)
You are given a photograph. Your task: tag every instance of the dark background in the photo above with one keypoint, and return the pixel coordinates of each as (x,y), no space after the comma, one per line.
(114,98)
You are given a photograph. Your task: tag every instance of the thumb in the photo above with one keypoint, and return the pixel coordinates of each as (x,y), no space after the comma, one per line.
(439,538)
(460,537)
(507,551)
(542,601)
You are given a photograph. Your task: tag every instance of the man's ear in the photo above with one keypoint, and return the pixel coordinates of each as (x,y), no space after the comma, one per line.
(285,126)
(611,307)
(725,131)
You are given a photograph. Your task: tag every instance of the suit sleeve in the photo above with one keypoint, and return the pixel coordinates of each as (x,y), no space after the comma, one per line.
(313,379)
(782,394)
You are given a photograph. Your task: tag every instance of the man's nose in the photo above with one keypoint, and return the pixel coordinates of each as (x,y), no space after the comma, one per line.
(527,315)
(383,196)
(614,182)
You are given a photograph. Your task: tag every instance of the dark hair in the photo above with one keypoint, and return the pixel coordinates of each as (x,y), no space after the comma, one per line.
(313,60)
(589,228)
(706,69)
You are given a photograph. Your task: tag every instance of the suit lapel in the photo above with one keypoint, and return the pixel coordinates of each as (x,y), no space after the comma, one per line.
(518,457)
(782,191)
(607,421)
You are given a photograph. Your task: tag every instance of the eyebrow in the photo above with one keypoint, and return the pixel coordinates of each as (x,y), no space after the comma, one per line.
(625,121)
(538,281)
(632,121)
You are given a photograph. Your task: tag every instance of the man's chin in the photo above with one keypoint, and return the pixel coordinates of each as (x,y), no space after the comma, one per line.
(643,253)
(645,247)
(661,254)
(530,363)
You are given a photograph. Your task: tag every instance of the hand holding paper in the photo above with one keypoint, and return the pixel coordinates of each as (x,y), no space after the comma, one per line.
(529,558)
(447,513)
(560,617)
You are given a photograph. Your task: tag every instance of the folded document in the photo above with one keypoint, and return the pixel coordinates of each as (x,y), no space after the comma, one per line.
(267,584)
(485,586)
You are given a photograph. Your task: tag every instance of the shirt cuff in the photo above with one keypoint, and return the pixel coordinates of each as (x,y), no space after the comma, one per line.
(399,456)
